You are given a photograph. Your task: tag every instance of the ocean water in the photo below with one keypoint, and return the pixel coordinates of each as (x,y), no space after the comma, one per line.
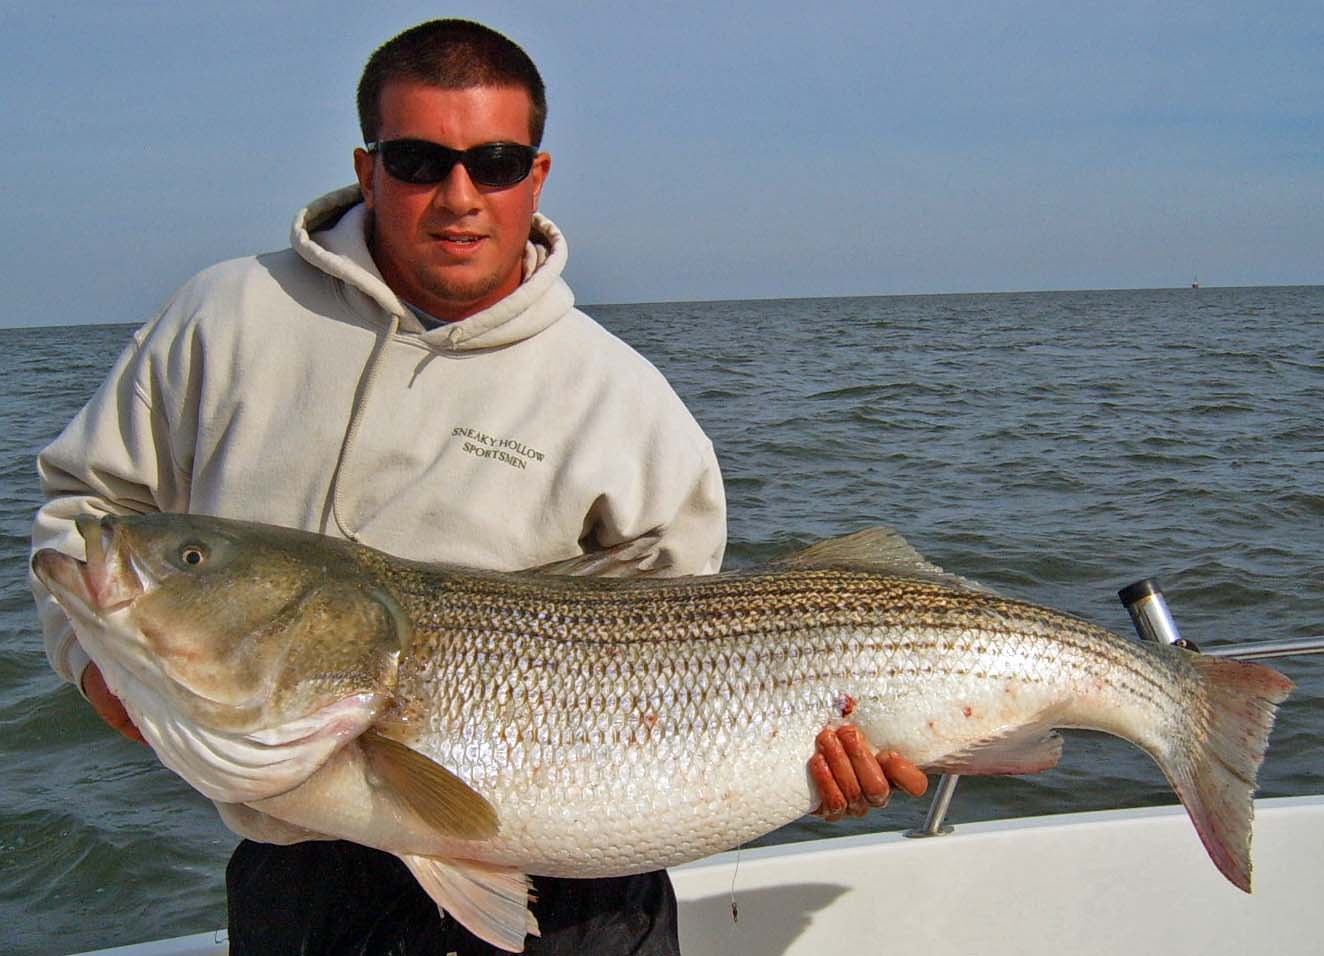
(1055,446)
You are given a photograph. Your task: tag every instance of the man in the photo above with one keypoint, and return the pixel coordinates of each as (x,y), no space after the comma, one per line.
(411,374)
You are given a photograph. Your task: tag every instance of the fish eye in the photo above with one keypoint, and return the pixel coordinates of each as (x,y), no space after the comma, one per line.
(192,554)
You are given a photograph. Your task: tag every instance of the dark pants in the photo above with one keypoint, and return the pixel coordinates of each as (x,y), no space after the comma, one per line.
(341,899)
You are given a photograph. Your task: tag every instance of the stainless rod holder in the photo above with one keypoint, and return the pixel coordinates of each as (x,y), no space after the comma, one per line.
(942,800)
(1149,612)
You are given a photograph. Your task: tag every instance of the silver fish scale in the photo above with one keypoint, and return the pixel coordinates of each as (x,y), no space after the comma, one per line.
(580,706)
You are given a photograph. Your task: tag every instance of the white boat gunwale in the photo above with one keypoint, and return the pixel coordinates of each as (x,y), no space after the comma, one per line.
(1103,881)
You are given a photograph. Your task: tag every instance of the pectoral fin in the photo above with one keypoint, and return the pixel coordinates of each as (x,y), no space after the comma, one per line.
(1026,749)
(491,902)
(441,799)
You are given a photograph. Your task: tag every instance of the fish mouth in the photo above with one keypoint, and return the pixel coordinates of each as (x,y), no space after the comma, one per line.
(103,584)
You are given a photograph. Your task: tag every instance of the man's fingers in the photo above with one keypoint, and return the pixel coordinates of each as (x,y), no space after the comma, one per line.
(833,803)
(842,771)
(129,729)
(851,777)
(107,705)
(868,771)
(904,774)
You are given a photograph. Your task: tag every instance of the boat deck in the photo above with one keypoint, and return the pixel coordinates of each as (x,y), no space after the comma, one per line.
(1102,883)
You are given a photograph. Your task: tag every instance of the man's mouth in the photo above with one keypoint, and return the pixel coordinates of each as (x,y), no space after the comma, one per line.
(461,239)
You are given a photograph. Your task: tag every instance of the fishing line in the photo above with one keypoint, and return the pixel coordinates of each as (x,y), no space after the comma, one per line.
(735,908)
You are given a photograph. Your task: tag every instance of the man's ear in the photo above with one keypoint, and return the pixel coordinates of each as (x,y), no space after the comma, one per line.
(542,165)
(364,166)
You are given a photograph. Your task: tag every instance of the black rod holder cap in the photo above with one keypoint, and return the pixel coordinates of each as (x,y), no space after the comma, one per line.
(1141,589)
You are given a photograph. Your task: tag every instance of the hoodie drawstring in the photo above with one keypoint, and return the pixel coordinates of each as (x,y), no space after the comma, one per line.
(355,420)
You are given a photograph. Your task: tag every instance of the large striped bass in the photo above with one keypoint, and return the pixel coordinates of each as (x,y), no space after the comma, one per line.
(483,726)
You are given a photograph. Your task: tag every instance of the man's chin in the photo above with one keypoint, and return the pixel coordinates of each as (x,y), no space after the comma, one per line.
(458,297)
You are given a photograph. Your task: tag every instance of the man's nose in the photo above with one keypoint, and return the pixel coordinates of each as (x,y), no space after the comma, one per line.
(457,192)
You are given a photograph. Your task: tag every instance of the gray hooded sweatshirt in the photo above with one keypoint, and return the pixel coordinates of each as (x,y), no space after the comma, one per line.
(297,389)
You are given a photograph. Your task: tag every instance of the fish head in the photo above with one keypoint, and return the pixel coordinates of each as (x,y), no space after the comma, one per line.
(245,653)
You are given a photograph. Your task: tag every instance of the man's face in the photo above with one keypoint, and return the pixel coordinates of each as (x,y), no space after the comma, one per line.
(452,248)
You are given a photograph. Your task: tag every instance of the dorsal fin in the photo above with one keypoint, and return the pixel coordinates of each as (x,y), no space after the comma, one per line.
(880,549)
(637,558)
(441,799)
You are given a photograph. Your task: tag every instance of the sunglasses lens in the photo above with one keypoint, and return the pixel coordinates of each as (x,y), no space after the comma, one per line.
(423,164)
(499,164)
(417,162)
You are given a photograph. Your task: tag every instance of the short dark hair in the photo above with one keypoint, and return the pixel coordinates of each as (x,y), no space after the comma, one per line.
(452,55)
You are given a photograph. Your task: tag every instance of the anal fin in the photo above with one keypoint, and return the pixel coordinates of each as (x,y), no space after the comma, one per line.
(1028,748)
(492,902)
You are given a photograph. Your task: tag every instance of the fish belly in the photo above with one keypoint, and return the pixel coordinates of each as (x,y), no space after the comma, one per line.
(668,764)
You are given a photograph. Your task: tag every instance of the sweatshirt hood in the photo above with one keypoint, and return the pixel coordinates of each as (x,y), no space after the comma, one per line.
(330,234)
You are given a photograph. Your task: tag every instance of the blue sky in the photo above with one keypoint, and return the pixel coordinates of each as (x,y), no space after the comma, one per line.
(701,151)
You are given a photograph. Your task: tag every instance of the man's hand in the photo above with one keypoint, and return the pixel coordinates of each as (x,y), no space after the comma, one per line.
(107,705)
(852,777)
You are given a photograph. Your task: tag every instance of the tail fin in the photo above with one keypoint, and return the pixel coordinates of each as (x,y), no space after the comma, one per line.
(1213,769)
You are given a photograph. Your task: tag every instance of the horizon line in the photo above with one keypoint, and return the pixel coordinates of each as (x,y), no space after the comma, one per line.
(1202,287)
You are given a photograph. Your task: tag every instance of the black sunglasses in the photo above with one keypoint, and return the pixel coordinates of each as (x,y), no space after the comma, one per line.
(423,163)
